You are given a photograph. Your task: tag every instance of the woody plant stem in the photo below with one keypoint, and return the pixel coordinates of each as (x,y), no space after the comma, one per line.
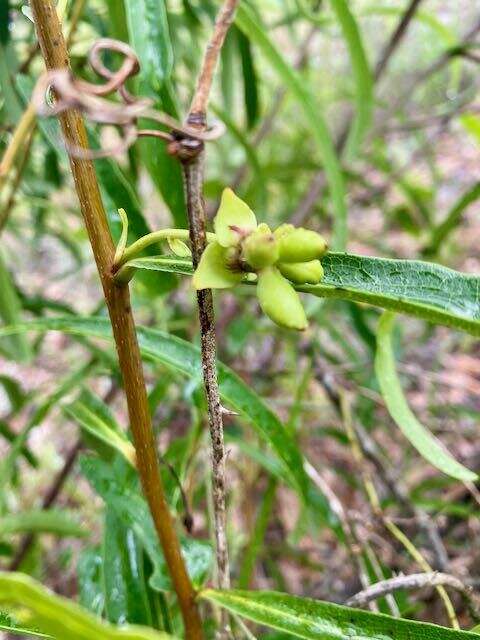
(192,156)
(117,299)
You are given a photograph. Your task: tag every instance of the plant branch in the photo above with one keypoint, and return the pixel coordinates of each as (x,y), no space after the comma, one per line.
(395,39)
(191,154)
(118,302)
(410,583)
(204,84)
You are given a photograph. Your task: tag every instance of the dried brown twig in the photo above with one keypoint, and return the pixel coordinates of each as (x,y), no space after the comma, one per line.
(416,581)
(90,100)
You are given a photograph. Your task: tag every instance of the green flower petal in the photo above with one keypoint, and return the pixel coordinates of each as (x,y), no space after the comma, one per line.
(213,272)
(233,212)
(279,300)
(302,272)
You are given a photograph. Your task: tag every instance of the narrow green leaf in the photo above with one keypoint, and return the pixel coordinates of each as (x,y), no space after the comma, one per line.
(170,264)
(93,415)
(55,521)
(249,24)
(150,37)
(423,441)
(5,22)
(250,80)
(363,77)
(10,104)
(317,620)
(16,395)
(421,289)
(10,436)
(257,539)
(62,618)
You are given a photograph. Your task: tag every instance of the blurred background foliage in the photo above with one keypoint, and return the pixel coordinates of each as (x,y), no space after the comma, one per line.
(315,106)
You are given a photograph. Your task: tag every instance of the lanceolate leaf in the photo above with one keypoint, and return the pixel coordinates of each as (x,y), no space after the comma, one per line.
(150,37)
(316,620)
(317,126)
(93,415)
(423,441)
(422,289)
(62,618)
(363,77)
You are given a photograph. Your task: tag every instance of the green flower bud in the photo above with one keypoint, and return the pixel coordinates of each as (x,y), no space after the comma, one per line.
(283,230)
(263,228)
(279,300)
(301,245)
(260,249)
(302,272)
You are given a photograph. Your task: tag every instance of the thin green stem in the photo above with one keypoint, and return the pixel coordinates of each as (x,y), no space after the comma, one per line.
(142,243)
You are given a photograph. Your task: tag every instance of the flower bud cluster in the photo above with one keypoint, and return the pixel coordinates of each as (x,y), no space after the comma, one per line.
(278,259)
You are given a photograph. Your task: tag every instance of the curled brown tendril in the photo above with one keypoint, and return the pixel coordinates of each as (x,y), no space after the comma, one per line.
(58,90)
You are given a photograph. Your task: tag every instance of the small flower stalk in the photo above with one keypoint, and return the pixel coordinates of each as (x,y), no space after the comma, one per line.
(245,250)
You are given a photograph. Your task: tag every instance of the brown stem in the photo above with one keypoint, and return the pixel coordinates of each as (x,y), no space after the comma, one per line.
(192,157)
(204,84)
(118,302)
(193,175)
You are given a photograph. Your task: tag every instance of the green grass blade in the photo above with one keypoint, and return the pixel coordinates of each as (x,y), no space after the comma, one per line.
(453,218)
(420,438)
(363,78)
